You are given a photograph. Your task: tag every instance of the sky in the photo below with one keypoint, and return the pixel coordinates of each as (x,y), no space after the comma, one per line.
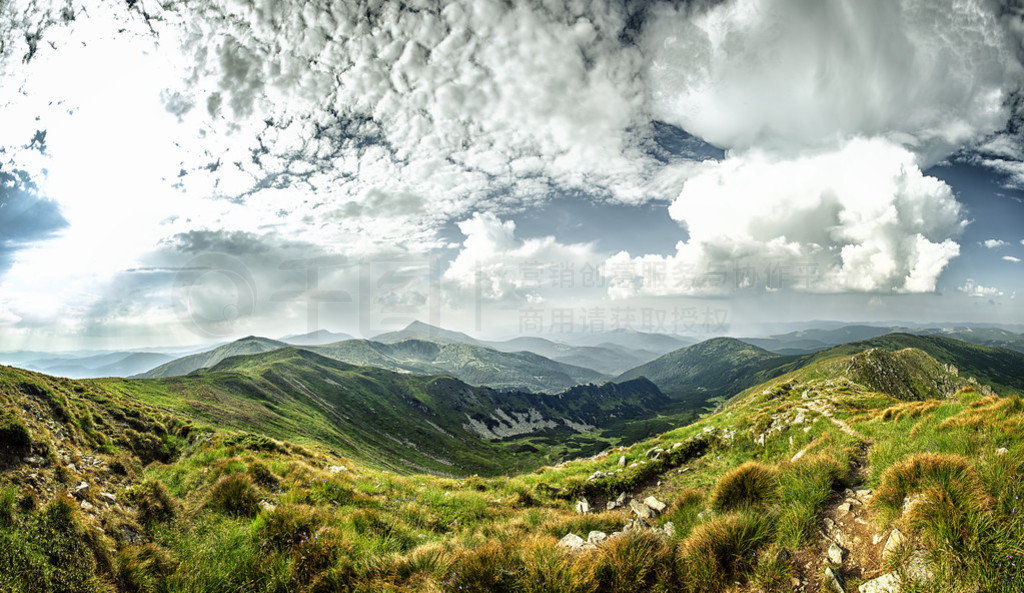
(176,173)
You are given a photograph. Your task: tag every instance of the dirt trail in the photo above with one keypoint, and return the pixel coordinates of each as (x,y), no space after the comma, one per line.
(848,541)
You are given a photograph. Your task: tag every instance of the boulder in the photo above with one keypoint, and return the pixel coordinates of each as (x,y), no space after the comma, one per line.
(641,510)
(835,554)
(655,504)
(893,544)
(582,506)
(832,581)
(571,541)
(887,583)
(596,537)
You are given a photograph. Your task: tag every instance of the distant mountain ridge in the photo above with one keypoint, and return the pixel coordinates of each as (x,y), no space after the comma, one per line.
(475,364)
(187,364)
(404,421)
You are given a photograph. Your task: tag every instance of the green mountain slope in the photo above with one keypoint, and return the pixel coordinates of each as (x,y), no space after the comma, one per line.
(187,364)
(473,364)
(395,420)
(713,368)
(864,466)
(998,367)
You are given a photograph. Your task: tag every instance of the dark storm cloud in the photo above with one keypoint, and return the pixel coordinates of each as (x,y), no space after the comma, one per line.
(234,243)
(25,217)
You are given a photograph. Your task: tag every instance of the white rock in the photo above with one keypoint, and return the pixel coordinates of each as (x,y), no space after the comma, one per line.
(669,528)
(893,544)
(337,469)
(835,554)
(798,455)
(918,569)
(596,537)
(887,583)
(266,506)
(582,506)
(622,461)
(641,510)
(844,508)
(571,541)
(1001,451)
(108,497)
(833,581)
(655,504)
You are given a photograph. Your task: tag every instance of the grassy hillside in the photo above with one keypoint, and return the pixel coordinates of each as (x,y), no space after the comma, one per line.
(716,367)
(187,364)
(391,420)
(471,363)
(800,480)
(476,365)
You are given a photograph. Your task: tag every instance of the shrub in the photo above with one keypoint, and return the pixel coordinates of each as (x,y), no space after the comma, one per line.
(723,550)
(317,553)
(634,561)
(261,474)
(234,495)
(143,568)
(750,484)
(684,511)
(917,473)
(126,465)
(8,496)
(490,568)
(154,502)
(286,526)
(549,569)
(13,433)
(253,442)
(953,508)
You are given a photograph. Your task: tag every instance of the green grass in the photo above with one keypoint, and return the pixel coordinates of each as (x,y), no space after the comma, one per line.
(252,505)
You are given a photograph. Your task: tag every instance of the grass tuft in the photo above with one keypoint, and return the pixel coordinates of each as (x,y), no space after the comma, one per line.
(235,495)
(723,550)
(751,484)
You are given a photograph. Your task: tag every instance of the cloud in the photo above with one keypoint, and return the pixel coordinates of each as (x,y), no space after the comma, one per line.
(822,187)
(863,219)
(1012,259)
(972,289)
(792,74)
(502,265)
(25,217)
(993,243)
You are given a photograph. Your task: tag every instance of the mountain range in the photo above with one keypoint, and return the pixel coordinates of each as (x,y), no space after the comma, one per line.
(846,469)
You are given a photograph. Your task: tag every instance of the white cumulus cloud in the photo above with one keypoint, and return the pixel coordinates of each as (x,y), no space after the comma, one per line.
(1012,259)
(860,219)
(504,265)
(993,243)
(973,289)
(828,113)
